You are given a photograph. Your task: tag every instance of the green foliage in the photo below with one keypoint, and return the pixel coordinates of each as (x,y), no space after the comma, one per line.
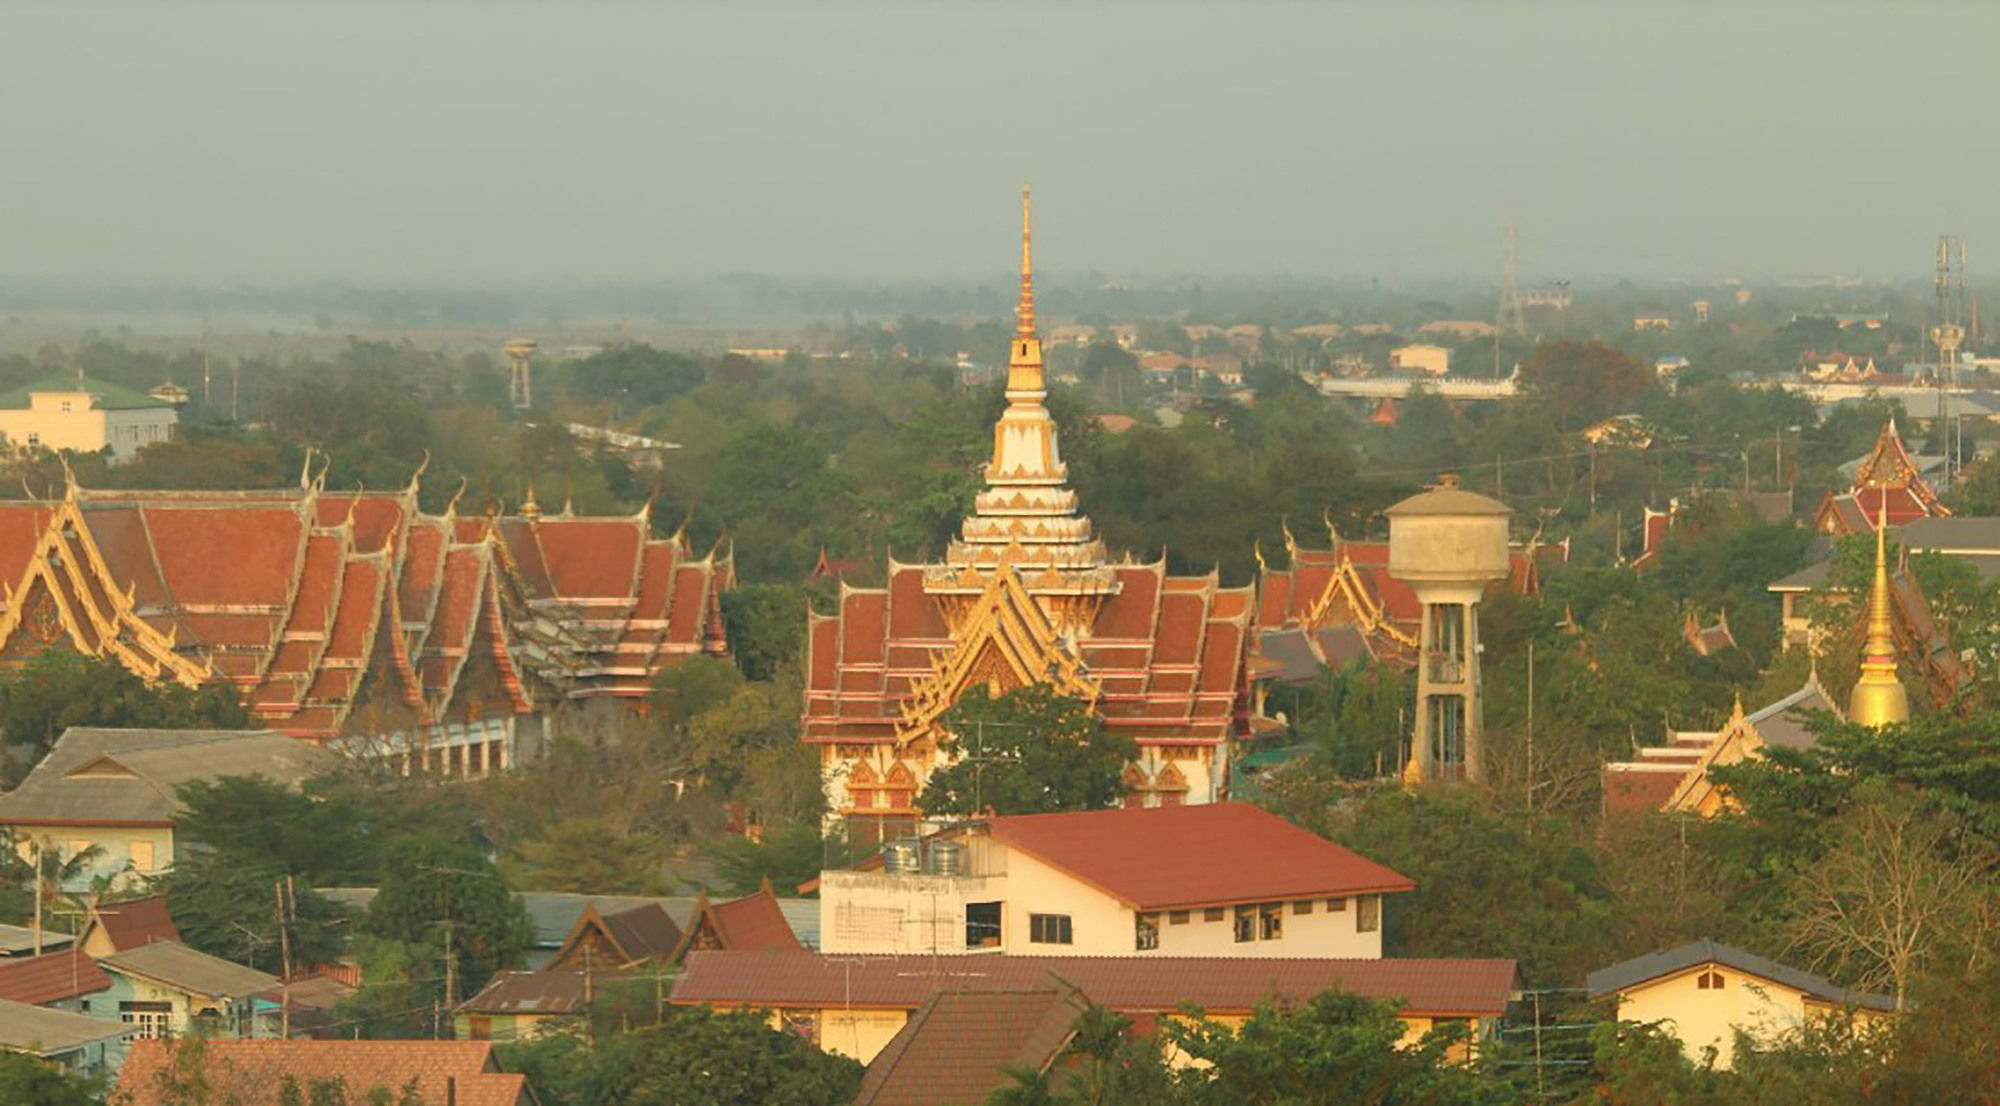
(439,895)
(699,1058)
(31,1081)
(635,376)
(401,993)
(1581,382)
(767,626)
(229,908)
(1029,751)
(787,856)
(252,822)
(61,688)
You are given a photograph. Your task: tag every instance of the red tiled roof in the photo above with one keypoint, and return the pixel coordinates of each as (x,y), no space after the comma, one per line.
(955,1047)
(50,977)
(1128,984)
(255,1071)
(1222,853)
(754,923)
(136,922)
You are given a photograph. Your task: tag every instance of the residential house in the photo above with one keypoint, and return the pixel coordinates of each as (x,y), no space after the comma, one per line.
(960,1046)
(855,1005)
(69,981)
(636,935)
(1213,879)
(75,1042)
(113,927)
(520,1006)
(754,923)
(1428,360)
(1704,993)
(85,416)
(167,989)
(17,941)
(114,791)
(257,1073)
(1674,776)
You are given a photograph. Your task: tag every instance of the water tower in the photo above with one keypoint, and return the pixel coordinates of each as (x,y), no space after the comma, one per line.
(1448,545)
(519,390)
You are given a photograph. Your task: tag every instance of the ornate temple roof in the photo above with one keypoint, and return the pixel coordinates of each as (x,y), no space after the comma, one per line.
(302,599)
(1889,483)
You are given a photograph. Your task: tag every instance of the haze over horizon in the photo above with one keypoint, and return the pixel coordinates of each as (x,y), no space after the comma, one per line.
(440,143)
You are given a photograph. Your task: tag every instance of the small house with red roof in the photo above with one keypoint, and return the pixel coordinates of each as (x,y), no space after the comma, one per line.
(115,927)
(1219,879)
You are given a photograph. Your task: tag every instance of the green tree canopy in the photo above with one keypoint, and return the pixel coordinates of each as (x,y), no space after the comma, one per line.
(441,895)
(1028,751)
(62,688)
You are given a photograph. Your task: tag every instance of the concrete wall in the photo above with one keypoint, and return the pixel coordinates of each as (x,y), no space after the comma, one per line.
(1321,933)
(117,843)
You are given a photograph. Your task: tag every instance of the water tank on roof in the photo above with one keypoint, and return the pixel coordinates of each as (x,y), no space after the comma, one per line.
(905,854)
(943,858)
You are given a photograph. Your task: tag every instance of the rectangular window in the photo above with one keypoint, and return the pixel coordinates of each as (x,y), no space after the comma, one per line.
(152,1018)
(1177,917)
(801,1023)
(1303,906)
(1211,913)
(1049,929)
(1146,932)
(142,856)
(1368,913)
(1335,906)
(1270,921)
(1246,924)
(982,925)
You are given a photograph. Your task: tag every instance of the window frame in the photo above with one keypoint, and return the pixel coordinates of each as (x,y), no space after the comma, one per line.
(1367,913)
(1051,929)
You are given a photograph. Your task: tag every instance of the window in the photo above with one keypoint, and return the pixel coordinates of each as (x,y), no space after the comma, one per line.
(801,1023)
(1146,932)
(152,1018)
(1303,906)
(1335,906)
(66,406)
(1049,929)
(1368,913)
(1211,913)
(982,925)
(1246,924)
(142,856)
(1177,917)
(34,438)
(1709,981)
(1271,921)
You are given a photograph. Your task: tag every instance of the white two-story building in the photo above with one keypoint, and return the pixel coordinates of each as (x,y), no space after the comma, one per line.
(1220,879)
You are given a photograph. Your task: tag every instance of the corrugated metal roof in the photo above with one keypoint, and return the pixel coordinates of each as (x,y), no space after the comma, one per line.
(41,1032)
(1458,988)
(186,969)
(96,776)
(252,1070)
(1655,965)
(960,1045)
(50,977)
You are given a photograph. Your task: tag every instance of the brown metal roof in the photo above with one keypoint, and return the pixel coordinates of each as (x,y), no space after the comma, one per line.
(96,776)
(50,977)
(256,1071)
(1440,988)
(955,1047)
(531,993)
(185,969)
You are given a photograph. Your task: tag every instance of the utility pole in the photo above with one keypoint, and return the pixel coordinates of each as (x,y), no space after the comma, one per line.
(38,896)
(287,906)
(1531,732)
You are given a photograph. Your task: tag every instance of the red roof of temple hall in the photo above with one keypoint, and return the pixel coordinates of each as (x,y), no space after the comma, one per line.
(1889,481)
(301,598)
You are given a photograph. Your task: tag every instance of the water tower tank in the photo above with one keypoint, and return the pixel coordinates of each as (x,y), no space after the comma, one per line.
(521,348)
(1448,540)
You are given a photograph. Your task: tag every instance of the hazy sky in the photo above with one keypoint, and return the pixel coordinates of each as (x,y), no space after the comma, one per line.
(435,142)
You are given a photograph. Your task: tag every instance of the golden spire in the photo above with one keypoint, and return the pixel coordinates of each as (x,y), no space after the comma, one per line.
(1878,698)
(1025,313)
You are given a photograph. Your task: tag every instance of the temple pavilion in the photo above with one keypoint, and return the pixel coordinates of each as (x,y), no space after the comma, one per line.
(1026,594)
(356,620)
(1888,483)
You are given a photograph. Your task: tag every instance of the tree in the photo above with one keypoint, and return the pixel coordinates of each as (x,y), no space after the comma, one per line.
(1581,382)
(230,909)
(1028,751)
(1901,888)
(450,900)
(254,822)
(62,688)
(32,1081)
(701,1057)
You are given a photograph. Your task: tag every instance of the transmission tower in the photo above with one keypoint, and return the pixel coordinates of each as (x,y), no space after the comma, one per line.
(1510,316)
(1946,337)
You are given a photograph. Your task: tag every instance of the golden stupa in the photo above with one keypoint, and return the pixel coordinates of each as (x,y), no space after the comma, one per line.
(1878,698)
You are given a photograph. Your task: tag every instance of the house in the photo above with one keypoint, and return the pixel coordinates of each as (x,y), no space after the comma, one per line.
(1704,993)
(753,923)
(1214,879)
(114,790)
(644,934)
(257,1073)
(1428,360)
(855,1005)
(69,980)
(76,1042)
(85,416)
(520,1006)
(113,927)
(18,941)
(167,989)
(1652,322)
(1674,777)
(959,1046)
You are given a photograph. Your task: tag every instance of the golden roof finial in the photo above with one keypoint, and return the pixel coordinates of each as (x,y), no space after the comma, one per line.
(1878,698)
(529,508)
(1025,326)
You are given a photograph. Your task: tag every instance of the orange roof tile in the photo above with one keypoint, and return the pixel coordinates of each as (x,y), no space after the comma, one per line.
(257,1071)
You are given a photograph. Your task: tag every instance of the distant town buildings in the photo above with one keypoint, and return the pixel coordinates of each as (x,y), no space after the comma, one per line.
(86,416)
(1427,360)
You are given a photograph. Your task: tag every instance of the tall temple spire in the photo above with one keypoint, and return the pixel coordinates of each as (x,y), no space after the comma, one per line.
(1027,515)
(1878,698)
